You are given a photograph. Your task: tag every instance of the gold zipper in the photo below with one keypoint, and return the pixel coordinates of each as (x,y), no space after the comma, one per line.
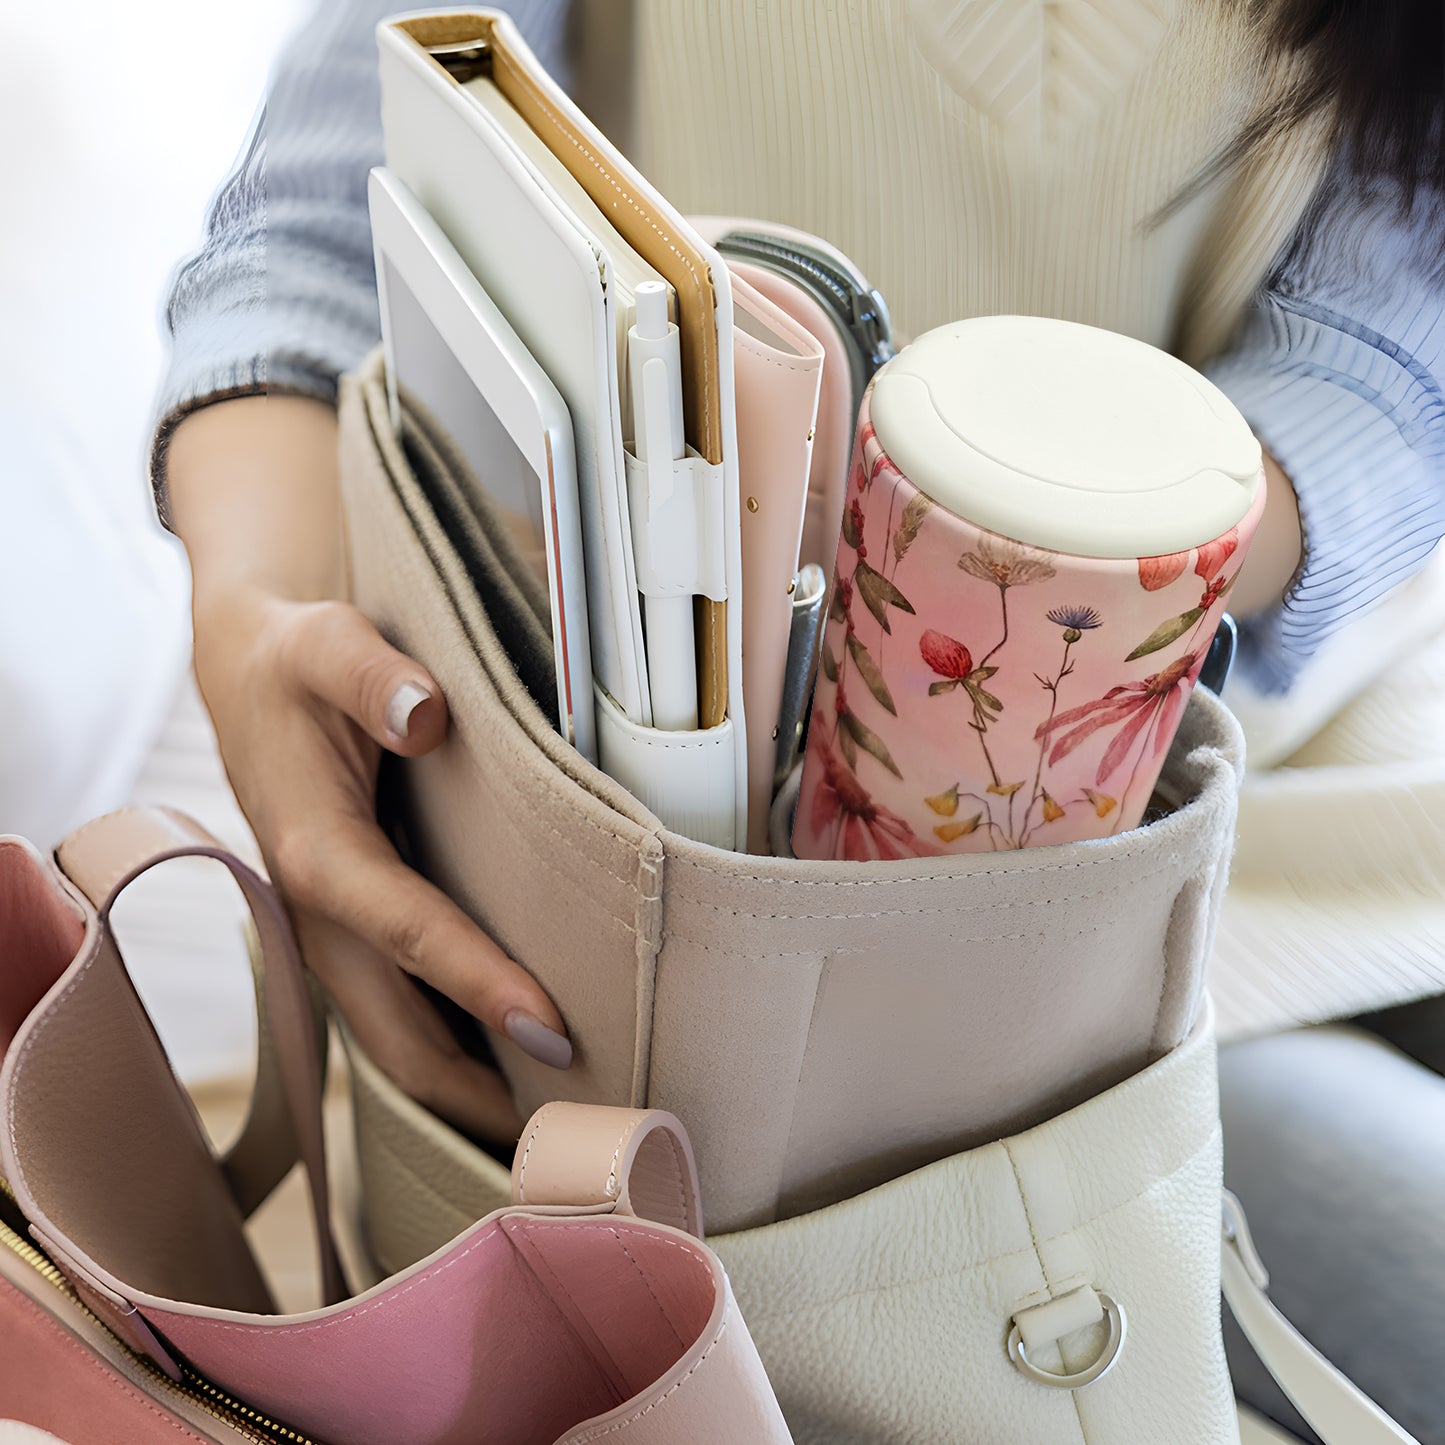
(197,1391)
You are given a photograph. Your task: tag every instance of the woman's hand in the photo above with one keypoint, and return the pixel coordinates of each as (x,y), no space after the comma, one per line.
(305,694)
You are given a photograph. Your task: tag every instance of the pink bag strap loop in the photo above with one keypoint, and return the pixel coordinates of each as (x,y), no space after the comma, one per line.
(104,856)
(635,1161)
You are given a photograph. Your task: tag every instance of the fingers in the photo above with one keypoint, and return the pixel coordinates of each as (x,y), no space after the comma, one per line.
(402,1034)
(335,653)
(351,875)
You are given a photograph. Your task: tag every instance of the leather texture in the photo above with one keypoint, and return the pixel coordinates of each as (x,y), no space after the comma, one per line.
(882,1247)
(51,1380)
(833,437)
(892,1016)
(591,1321)
(147,1197)
(777,382)
(56,1379)
(884,1317)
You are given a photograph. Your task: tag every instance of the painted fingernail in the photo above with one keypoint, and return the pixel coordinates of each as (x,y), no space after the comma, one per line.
(404,701)
(533,1037)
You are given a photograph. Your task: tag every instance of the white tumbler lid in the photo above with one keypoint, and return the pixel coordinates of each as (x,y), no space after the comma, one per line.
(1066,436)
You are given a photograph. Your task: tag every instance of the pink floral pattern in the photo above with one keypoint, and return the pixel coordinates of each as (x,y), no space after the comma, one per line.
(976,693)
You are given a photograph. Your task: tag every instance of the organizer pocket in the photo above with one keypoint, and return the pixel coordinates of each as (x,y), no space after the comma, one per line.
(819,1027)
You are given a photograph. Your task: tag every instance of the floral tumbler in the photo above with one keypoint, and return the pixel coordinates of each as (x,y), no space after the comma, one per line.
(1042,527)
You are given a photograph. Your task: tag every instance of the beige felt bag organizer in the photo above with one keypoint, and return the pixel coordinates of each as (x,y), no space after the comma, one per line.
(890,1015)
(956,1120)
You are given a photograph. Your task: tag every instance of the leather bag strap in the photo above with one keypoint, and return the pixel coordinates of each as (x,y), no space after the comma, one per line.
(631,1161)
(265,1150)
(1336,1409)
(102,858)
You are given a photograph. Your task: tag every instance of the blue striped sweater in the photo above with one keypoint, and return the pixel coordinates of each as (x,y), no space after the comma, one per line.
(1338,364)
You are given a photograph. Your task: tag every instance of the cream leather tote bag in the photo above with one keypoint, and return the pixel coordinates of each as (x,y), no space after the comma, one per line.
(1060,1287)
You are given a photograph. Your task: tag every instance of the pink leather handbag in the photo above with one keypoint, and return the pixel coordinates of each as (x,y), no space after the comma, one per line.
(590,1309)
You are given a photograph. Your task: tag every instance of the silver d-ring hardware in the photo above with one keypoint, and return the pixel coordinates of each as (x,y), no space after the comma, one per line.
(1118,1324)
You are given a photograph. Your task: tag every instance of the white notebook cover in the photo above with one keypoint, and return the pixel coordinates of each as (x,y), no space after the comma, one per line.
(551,281)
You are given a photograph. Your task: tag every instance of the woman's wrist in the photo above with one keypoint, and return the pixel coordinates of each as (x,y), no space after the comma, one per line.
(1276,554)
(254,494)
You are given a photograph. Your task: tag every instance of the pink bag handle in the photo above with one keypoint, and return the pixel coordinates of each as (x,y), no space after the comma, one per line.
(633,1161)
(101,859)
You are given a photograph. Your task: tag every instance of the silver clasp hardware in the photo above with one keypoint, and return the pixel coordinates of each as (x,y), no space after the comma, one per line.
(1118,1323)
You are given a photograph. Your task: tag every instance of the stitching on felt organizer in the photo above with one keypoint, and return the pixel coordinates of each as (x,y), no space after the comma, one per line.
(693,943)
(852,917)
(514,790)
(1123,886)
(1208,808)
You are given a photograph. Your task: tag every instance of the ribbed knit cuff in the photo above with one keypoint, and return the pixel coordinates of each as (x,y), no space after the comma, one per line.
(195,382)
(1353,422)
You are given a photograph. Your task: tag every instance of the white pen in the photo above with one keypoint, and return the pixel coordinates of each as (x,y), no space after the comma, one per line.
(655,371)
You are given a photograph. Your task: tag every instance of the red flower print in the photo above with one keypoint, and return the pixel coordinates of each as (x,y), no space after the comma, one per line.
(1157,572)
(1213,555)
(945,655)
(1213,592)
(847,821)
(1161,697)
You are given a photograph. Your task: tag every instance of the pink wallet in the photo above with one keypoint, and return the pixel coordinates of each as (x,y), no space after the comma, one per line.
(833,436)
(778,367)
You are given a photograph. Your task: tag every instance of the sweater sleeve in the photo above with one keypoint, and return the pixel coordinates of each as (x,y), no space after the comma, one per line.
(281,295)
(1338,367)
